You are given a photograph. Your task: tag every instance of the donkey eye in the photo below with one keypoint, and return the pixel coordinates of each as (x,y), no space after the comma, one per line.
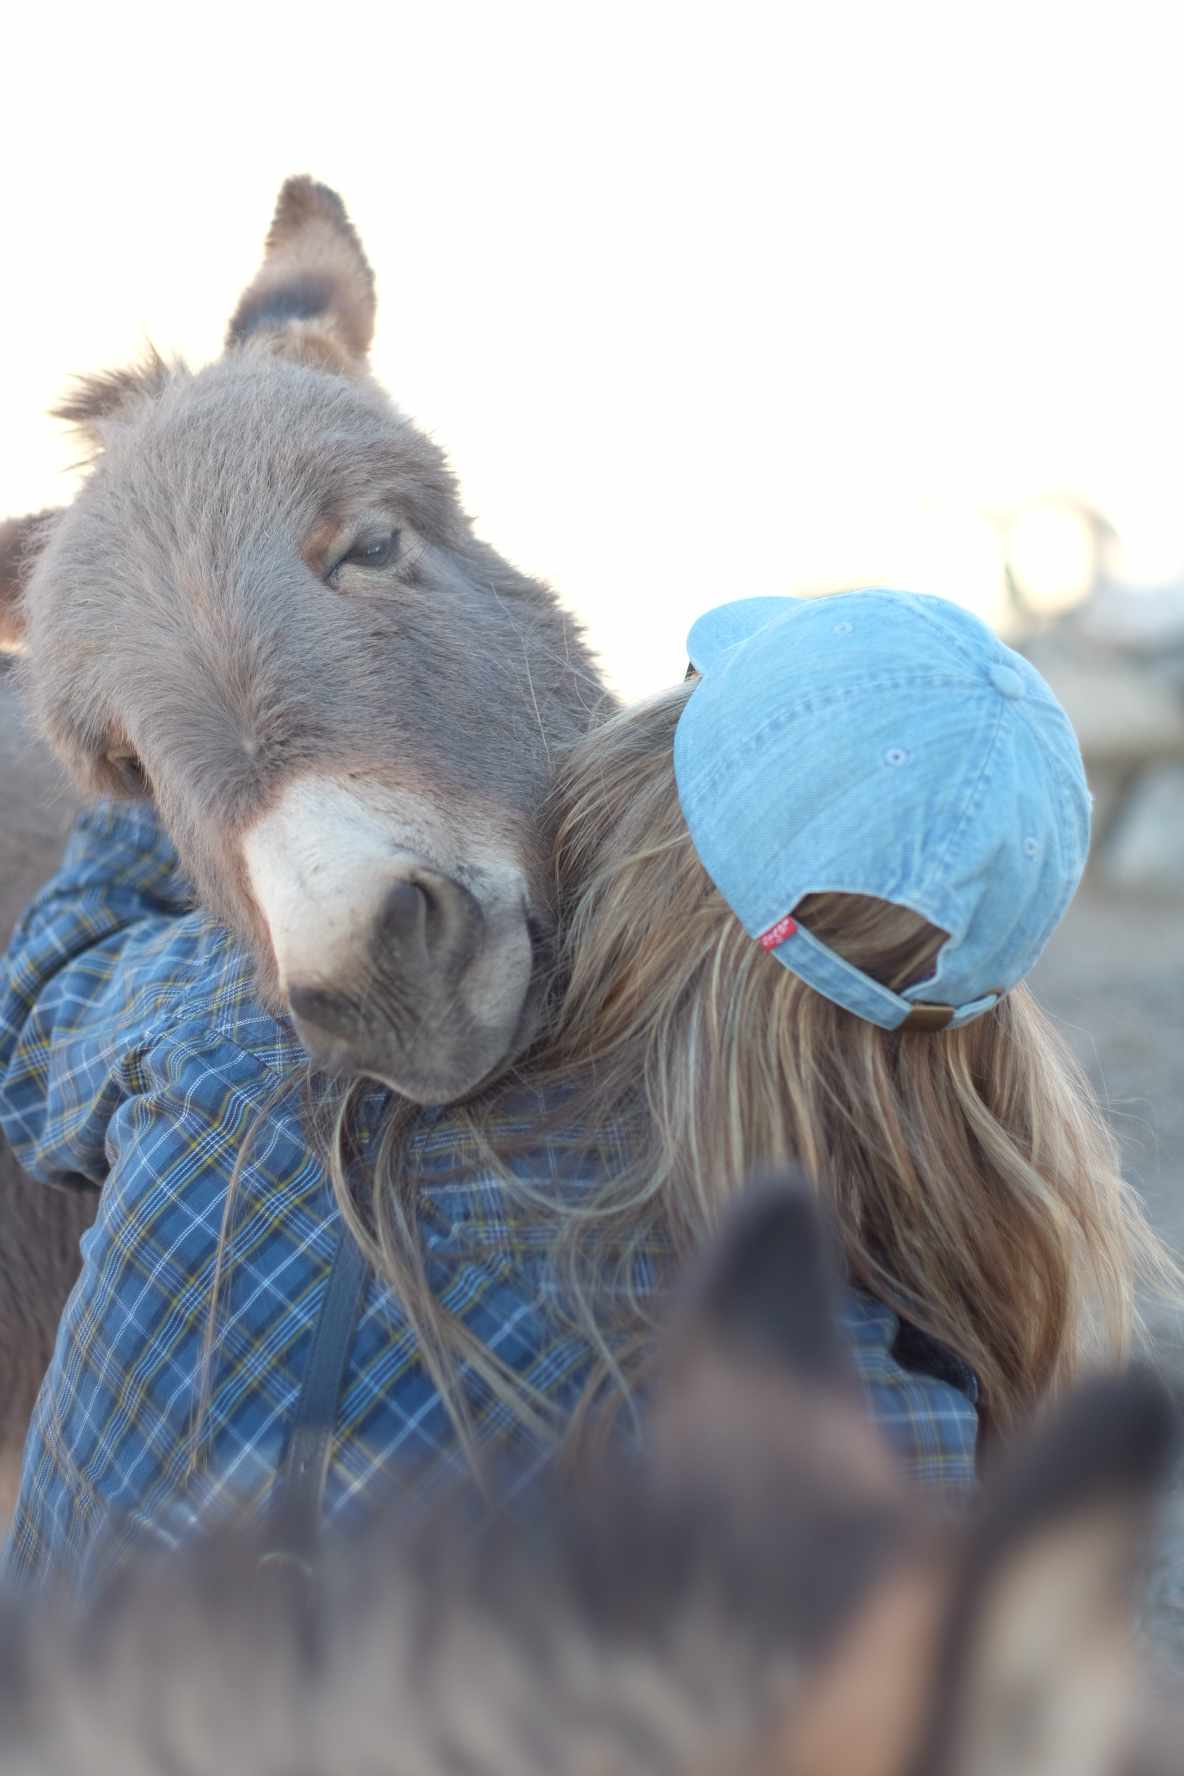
(377,552)
(128,772)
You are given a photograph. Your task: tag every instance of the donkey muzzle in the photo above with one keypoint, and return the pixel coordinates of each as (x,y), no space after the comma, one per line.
(403,948)
(435,1003)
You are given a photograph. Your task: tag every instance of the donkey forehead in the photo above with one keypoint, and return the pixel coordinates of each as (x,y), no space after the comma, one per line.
(251,445)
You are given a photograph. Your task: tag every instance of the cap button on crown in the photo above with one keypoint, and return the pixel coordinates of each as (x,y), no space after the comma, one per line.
(1006,680)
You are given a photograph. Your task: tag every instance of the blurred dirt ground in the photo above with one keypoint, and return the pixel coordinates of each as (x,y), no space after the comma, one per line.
(1114,979)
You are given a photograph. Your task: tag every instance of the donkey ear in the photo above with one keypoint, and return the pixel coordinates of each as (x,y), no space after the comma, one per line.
(768,1290)
(21,539)
(108,396)
(313,296)
(1035,1671)
(757,1367)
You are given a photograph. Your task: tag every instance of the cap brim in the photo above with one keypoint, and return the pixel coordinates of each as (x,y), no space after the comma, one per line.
(725,627)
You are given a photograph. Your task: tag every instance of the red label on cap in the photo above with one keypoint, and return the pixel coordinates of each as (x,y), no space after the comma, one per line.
(777,934)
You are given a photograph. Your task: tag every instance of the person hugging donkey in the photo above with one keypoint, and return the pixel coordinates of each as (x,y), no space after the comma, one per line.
(798,897)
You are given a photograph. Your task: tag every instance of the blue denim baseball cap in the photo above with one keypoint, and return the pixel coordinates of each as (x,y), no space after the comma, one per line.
(884,744)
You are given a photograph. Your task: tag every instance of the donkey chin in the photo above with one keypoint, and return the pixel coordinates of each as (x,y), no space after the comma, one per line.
(396,960)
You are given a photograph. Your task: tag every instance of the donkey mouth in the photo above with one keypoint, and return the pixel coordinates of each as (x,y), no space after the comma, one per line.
(426,1065)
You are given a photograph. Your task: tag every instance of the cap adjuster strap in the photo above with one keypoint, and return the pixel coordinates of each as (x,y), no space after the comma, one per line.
(839,980)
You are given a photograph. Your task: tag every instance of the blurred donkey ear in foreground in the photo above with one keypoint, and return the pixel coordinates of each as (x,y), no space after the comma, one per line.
(760,1593)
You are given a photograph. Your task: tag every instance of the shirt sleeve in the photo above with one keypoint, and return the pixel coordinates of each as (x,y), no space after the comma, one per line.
(72,1015)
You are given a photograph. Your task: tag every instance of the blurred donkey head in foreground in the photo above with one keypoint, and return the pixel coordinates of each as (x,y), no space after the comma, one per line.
(759,1593)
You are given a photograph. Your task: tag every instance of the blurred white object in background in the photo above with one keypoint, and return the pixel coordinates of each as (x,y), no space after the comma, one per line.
(1054,549)
(1113,651)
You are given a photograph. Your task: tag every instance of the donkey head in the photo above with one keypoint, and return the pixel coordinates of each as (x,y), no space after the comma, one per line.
(762,1595)
(267,610)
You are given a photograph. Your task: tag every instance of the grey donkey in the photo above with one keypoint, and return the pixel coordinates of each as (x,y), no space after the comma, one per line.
(39,1229)
(267,610)
(758,1594)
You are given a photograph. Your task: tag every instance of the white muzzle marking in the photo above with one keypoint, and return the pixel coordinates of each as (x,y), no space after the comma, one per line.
(325,857)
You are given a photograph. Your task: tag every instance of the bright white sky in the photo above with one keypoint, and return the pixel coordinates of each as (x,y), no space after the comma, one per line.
(703,300)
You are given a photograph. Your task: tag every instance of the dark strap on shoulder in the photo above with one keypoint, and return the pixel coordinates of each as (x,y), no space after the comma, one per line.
(919,1351)
(300,1483)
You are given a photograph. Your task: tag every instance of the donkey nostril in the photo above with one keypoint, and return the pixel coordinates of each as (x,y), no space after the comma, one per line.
(406,912)
(429,921)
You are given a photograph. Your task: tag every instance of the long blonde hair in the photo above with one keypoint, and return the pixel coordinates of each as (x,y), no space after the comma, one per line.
(974,1182)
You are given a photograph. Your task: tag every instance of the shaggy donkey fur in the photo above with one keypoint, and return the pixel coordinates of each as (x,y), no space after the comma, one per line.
(39,1229)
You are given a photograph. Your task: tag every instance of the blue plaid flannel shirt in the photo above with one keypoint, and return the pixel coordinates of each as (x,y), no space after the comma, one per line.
(135,1057)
